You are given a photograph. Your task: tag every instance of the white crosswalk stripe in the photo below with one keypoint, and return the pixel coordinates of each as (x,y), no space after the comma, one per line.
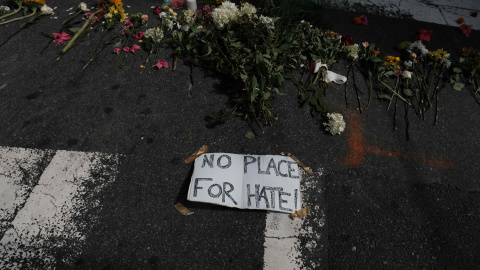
(43,208)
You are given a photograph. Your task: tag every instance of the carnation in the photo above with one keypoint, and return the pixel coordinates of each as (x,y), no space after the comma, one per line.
(408,63)
(418,46)
(407,74)
(225,14)
(156,34)
(83,7)
(4,9)
(336,124)
(352,51)
(247,8)
(46,10)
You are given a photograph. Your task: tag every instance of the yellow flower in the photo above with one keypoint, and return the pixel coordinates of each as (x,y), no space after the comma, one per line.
(142,66)
(392,61)
(329,33)
(140,40)
(438,54)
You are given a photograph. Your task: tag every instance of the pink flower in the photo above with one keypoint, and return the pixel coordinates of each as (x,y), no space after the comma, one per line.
(466,29)
(161,63)
(126,49)
(139,35)
(145,17)
(129,22)
(363,19)
(398,72)
(60,38)
(117,50)
(134,48)
(424,35)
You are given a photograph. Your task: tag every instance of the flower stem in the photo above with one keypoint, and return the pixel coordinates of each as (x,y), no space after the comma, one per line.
(70,44)
(20,18)
(92,54)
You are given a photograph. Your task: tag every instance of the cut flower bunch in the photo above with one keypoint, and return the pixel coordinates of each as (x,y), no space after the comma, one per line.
(258,51)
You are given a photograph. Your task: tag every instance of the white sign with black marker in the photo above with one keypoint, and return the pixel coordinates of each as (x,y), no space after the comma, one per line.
(246,181)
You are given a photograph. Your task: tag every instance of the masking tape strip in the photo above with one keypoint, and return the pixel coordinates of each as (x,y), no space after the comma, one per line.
(301,213)
(299,163)
(182,209)
(199,152)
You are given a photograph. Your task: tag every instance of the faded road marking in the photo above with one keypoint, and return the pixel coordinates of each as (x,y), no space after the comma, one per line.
(58,211)
(290,243)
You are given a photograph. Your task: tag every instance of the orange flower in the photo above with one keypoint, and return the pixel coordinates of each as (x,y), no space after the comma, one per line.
(41,2)
(375,52)
(357,20)
(116,2)
(460,20)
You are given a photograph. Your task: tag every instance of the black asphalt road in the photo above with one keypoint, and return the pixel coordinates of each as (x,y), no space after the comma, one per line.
(392,211)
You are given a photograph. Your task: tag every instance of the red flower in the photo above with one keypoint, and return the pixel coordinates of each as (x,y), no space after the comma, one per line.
(126,49)
(348,40)
(311,69)
(363,19)
(357,20)
(424,35)
(139,35)
(473,14)
(60,38)
(375,52)
(156,10)
(466,29)
(460,20)
(177,4)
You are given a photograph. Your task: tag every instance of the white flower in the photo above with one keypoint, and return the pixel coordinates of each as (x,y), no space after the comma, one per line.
(156,34)
(446,62)
(162,15)
(352,51)
(83,7)
(46,10)
(247,8)
(4,9)
(419,46)
(225,14)
(186,27)
(408,63)
(461,59)
(407,74)
(336,124)
(189,16)
(267,21)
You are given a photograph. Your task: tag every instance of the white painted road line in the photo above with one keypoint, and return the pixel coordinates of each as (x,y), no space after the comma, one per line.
(53,217)
(283,246)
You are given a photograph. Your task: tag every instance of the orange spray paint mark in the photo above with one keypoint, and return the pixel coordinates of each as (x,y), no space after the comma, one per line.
(356,149)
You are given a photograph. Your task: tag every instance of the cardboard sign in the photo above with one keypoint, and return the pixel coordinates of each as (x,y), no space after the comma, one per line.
(246,181)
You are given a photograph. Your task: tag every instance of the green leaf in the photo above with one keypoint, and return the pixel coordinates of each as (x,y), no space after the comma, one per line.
(457,70)
(458,86)
(249,135)
(384,97)
(407,92)
(74,29)
(376,59)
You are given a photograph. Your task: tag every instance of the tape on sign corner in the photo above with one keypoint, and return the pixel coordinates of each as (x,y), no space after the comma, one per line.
(301,213)
(182,209)
(307,169)
(199,152)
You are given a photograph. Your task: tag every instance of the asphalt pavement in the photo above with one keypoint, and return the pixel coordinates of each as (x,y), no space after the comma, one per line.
(379,201)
